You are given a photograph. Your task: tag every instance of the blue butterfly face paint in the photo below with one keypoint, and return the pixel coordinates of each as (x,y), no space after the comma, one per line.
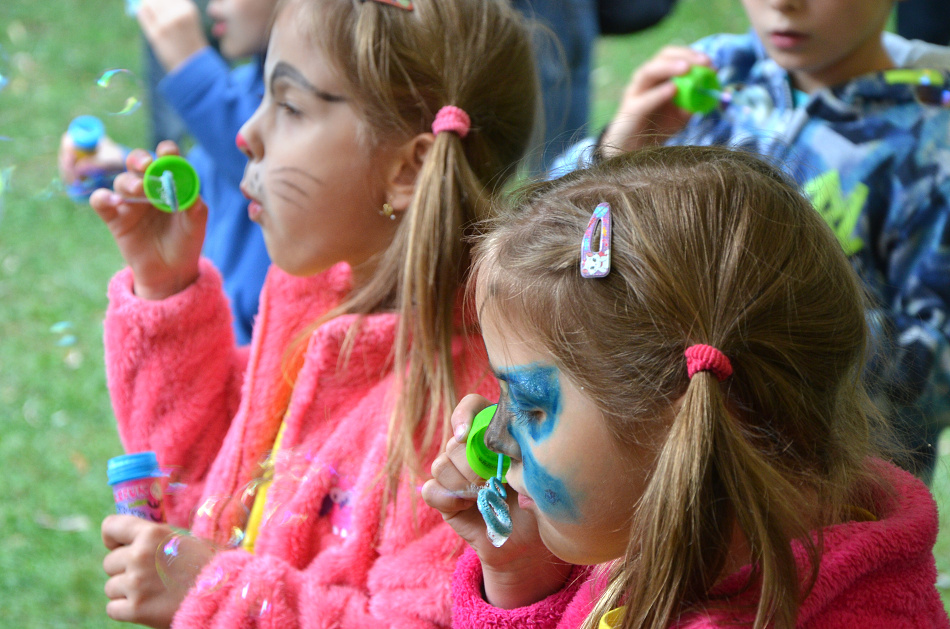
(534,402)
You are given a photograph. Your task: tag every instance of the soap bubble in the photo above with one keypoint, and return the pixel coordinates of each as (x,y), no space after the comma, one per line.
(180,569)
(120,92)
(4,69)
(6,176)
(258,606)
(132,7)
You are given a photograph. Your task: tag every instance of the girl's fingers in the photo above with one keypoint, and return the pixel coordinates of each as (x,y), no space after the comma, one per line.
(116,561)
(138,160)
(105,202)
(167,147)
(121,530)
(129,185)
(447,473)
(464,412)
(446,501)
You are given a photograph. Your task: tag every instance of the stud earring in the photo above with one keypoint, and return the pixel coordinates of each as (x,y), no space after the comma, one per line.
(388,211)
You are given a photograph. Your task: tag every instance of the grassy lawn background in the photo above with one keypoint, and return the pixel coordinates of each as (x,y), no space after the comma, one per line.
(56,425)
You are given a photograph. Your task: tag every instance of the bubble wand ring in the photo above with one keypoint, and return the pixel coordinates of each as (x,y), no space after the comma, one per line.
(491,498)
(491,504)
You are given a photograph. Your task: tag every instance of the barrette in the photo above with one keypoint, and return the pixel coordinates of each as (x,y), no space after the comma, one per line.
(597,263)
(405,5)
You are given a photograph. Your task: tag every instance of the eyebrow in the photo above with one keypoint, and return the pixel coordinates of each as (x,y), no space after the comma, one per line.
(284,70)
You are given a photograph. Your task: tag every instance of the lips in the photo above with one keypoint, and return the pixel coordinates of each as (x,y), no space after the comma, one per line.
(218,29)
(787,40)
(254,208)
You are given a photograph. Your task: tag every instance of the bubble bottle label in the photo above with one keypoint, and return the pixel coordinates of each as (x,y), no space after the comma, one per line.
(136,482)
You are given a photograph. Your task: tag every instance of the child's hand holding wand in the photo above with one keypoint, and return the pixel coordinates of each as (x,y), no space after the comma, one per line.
(520,572)
(163,248)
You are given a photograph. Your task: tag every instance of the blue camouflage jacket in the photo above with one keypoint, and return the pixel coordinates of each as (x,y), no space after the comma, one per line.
(875,162)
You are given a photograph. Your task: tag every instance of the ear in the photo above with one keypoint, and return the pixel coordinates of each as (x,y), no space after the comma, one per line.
(404,170)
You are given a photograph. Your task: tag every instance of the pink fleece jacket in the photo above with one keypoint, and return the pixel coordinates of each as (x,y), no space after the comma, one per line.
(873,575)
(323,559)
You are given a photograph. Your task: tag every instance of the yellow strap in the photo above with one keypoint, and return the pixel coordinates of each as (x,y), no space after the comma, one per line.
(611,619)
(257,510)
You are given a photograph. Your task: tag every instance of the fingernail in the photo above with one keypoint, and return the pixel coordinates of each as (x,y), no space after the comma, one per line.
(461,432)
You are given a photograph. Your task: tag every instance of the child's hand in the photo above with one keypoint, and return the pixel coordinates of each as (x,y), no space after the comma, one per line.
(162,248)
(173,29)
(522,571)
(137,593)
(73,165)
(647,115)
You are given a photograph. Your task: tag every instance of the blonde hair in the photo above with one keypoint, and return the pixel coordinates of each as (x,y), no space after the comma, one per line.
(709,246)
(401,68)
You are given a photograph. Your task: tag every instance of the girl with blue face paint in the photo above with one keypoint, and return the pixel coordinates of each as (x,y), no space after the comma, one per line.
(694,421)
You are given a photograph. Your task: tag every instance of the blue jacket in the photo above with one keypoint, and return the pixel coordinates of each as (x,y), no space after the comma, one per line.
(214,101)
(875,162)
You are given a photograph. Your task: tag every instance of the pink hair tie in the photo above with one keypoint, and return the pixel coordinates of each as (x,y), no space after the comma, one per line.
(451,118)
(707,358)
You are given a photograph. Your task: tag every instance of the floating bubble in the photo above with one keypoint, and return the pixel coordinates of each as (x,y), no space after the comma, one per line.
(132,7)
(55,188)
(4,69)
(177,561)
(6,176)
(120,92)
(173,483)
(228,510)
(61,327)
(258,606)
(211,580)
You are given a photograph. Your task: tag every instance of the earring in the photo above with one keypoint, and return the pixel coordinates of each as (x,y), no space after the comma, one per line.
(388,211)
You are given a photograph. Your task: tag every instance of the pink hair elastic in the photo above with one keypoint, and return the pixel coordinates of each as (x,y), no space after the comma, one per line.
(707,358)
(452,118)
(240,142)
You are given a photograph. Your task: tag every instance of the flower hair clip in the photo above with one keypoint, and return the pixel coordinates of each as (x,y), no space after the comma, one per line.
(405,5)
(597,263)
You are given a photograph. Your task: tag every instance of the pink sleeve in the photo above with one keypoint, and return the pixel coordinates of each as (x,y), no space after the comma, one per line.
(562,610)
(174,374)
(405,588)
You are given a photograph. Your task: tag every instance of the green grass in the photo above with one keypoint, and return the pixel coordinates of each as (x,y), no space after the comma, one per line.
(56,424)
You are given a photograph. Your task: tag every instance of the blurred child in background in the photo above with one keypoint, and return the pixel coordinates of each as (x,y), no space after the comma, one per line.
(860,119)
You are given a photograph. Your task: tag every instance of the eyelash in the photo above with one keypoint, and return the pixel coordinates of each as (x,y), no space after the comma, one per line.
(521,416)
(287,107)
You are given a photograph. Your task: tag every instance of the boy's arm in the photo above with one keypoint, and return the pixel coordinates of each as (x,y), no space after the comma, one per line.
(214,101)
(173,30)
(912,380)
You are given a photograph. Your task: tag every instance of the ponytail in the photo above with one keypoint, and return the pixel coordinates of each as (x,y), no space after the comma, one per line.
(710,483)
(401,67)
(448,199)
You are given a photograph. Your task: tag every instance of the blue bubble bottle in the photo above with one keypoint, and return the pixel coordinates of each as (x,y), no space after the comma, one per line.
(85,132)
(136,482)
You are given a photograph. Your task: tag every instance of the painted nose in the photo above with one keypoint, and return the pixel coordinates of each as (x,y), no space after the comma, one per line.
(499,439)
(241,143)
